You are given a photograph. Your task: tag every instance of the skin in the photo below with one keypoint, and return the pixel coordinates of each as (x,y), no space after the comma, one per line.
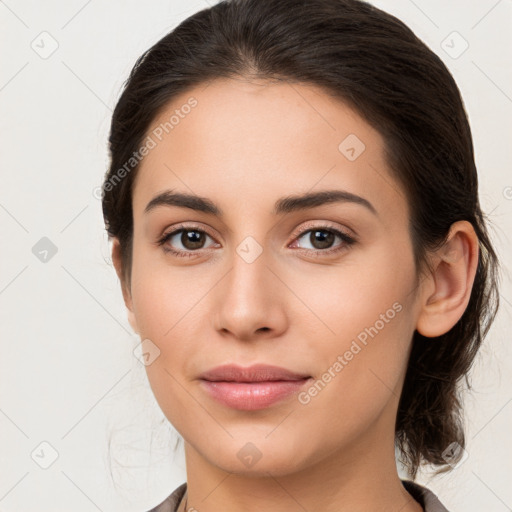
(245,145)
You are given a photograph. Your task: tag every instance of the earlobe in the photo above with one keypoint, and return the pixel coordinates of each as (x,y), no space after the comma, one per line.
(118,265)
(451,280)
(132,320)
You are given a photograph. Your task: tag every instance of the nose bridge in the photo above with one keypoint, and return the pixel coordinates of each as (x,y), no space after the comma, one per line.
(251,253)
(248,298)
(249,277)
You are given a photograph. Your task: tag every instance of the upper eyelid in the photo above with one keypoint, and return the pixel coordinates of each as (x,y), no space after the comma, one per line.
(326,225)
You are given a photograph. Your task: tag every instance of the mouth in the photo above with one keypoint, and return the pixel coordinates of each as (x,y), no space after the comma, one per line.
(253,388)
(250,396)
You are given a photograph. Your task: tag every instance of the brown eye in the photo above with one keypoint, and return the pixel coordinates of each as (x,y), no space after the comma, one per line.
(192,239)
(184,241)
(323,238)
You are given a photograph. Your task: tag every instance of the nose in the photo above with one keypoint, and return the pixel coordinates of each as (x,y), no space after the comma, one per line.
(250,301)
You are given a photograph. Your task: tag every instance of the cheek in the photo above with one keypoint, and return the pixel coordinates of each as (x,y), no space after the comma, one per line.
(171,316)
(169,312)
(163,296)
(359,329)
(366,288)
(168,315)
(360,372)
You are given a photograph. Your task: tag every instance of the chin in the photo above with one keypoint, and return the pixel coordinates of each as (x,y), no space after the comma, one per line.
(256,458)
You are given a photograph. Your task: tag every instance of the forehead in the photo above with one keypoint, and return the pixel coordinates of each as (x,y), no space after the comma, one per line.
(248,143)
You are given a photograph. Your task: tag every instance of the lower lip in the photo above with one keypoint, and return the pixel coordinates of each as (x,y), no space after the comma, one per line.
(250,396)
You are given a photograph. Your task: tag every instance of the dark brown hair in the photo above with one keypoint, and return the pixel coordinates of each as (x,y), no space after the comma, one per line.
(374,63)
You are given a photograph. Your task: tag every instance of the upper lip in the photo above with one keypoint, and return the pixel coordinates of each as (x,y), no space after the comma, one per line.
(254,373)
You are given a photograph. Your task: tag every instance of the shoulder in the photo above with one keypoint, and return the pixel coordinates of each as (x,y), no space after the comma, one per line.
(427,499)
(170,504)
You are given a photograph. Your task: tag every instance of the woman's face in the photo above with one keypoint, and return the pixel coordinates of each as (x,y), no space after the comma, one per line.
(262,282)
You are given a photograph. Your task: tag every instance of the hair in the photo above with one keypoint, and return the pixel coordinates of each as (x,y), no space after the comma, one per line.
(375,64)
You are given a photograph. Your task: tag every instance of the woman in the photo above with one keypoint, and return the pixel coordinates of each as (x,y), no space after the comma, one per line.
(293,204)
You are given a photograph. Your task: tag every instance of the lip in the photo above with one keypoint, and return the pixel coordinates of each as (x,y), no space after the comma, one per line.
(255,387)
(253,373)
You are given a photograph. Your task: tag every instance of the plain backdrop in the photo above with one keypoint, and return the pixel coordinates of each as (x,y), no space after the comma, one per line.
(70,384)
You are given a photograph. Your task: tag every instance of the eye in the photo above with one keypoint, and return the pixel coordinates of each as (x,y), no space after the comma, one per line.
(191,239)
(322,239)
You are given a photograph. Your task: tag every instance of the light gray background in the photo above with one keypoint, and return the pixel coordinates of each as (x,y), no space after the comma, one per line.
(68,374)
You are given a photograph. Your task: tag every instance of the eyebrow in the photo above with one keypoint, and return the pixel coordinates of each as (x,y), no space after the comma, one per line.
(283,205)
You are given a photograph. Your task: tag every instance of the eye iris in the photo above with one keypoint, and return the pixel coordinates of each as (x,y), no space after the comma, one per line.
(192,239)
(324,238)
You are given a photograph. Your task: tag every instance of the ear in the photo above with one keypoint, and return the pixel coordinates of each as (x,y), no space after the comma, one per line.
(447,290)
(118,264)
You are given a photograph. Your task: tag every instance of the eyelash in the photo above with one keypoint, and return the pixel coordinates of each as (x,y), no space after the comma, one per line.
(348,241)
